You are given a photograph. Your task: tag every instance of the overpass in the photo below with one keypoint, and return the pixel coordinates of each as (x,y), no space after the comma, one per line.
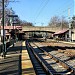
(45,31)
(41,29)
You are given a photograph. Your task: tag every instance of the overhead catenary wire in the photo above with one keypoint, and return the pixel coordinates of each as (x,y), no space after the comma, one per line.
(61,8)
(65,11)
(55,10)
(70,6)
(38,9)
(41,9)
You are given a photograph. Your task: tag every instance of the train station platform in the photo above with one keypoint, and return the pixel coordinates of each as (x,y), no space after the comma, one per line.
(27,67)
(17,61)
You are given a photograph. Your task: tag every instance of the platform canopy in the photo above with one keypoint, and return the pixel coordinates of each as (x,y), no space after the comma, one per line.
(61,32)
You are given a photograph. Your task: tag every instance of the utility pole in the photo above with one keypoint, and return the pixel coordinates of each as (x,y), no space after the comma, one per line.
(70,31)
(74,8)
(71,22)
(4,43)
(61,24)
(42,24)
(3,30)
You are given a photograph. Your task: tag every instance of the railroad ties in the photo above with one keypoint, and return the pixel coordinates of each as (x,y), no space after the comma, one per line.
(47,64)
(37,66)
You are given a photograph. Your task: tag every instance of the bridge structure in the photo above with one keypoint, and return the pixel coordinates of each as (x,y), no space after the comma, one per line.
(43,31)
(40,29)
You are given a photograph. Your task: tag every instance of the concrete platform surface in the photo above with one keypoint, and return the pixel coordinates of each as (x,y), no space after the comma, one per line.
(11,65)
(17,61)
(27,67)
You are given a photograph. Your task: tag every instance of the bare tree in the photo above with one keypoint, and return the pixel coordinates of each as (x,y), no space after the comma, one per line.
(5,3)
(25,23)
(54,21)
(58,22)
(64,22)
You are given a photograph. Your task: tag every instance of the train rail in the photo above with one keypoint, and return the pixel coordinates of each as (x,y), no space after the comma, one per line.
(39,66)
(51,64)
(66,54)
(61,59)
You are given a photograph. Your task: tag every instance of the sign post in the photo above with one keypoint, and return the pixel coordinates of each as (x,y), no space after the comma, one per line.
(13,16)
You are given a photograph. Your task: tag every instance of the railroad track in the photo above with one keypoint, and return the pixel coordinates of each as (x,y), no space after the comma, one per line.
(39,67)
(66,54)
(54,65)
(55,55)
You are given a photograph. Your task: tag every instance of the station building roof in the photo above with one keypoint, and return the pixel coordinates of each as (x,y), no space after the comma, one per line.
(11,27)
(61,32)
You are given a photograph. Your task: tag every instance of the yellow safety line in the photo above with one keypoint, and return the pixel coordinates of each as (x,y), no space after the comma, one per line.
(27,67)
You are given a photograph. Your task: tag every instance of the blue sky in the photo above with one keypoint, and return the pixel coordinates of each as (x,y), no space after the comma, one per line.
(40,11)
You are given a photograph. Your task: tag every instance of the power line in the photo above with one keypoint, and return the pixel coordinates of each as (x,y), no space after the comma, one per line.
(58,11)
(46,2)
(41,9)
(40,6)
(44,7)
